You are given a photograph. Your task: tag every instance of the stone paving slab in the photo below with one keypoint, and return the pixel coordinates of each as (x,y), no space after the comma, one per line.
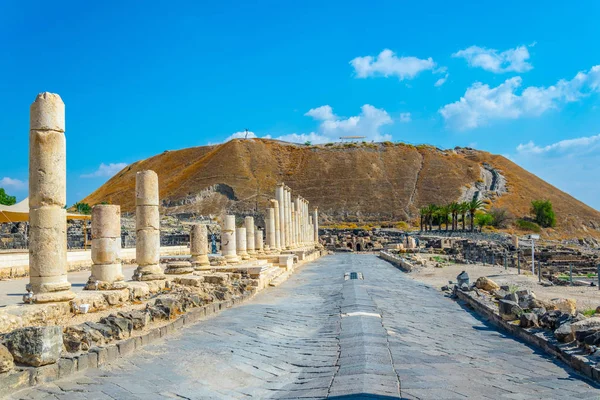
(318,336)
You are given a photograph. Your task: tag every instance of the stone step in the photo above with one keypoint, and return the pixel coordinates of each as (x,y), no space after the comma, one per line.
(280,279)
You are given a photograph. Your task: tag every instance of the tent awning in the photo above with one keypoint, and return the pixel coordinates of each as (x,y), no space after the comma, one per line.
(20,213)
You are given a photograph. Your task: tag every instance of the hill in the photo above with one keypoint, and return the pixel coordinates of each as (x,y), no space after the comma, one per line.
(349,182)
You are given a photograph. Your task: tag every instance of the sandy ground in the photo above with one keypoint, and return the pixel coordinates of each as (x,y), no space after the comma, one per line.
(587,297)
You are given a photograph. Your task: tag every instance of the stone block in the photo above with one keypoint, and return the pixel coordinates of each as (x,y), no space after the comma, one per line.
(43,374)
(147,217)
(112,353)
(47,169)
(147,250)
(66,366)
(146,188)
(178,323)
(36,346)
(154,335)
(15,380)
(126,347)
(47,112)
(102,355)
(106,251)
(6,360)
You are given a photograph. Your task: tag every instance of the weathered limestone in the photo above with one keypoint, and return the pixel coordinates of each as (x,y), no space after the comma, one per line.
(266,247)
(258,240)
(179,268)
(288,218)
(241,243)
(249,224)
(147,225)
(199,246)
(47,199)
(107,271)
(316,224)
(275,204)
(271,231)
(228,240)
(280,197)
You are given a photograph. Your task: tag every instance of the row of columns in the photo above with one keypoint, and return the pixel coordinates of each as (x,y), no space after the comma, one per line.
(288,223)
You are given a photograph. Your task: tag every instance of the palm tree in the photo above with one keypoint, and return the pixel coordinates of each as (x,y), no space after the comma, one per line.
(423,212)
(473,206)
(464,209)
(444,211)
(454,210)
(430,214)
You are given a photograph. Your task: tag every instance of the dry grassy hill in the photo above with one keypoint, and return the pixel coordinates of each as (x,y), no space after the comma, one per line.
(360,183)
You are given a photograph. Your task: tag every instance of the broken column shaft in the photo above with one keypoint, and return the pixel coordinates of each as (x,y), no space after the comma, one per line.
(107,271)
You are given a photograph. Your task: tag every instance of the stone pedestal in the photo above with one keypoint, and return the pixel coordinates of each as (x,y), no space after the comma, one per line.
(228,240)
(179,267)
(241,243)
(47,198)
(147,226)
(199,246)
(107,271)
(249,224)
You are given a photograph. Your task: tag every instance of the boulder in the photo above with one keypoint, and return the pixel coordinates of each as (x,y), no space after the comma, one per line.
(550,319)
(568,306)
(35,346)
(509,310)
(564,333)
(487,284)
(139,318)
(592,339)
(6,360)
(511,297)
(172,307)
(585,328)
(539,311)
(122,326)
(527,299)
(528,320)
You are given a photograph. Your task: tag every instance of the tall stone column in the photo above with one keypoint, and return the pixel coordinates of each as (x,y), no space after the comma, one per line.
(107,271)
(288,219)
(199,246)
(249,223)
(147,227)
(294,227)
(266,247)
(275,205)
(241,243)
(316,224)
(258,242)
(271,231)
(279,196)
(311,232)
(228,240)
(47,198)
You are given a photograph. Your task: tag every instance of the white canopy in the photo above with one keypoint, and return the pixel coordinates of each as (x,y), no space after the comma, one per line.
(20,212)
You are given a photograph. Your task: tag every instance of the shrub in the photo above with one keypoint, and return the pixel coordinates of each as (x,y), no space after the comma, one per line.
(6,199)
(528,226)
(501,217)
(483,219)
(83,208)
(543,212)
(388,143)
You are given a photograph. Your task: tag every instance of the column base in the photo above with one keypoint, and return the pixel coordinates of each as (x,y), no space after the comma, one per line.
(93,284)
(53,297)
(149,273)
(179,268)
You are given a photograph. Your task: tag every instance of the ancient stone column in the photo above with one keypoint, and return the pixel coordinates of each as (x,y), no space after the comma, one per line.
(228,240)
(266,246)
(107,272)
(275,204)
(316,224)
(258,241)
(241,243)
(249,223)
(311,231)
(199,246)
(279,196)
(294,227)
(271,231)
(147,227)
(288,219)
(47,198)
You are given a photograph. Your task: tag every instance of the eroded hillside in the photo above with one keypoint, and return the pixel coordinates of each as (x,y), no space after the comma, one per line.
(366,182)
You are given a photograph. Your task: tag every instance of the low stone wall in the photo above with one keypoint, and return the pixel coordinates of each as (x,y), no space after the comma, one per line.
(569,354)
(16,264)
(396,261)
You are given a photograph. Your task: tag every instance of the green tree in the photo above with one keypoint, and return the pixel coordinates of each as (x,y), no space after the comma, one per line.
(83,208)
(483,220)
(6,199)
(474,206)
(544,214)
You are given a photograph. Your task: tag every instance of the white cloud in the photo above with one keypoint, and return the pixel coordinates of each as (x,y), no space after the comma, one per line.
(15,184)
(388,64)
(241,135)
(482,104)
(405,117)
(511,60)
(312,137)
(569,146)
(573,165)
(105,170)
(441,81)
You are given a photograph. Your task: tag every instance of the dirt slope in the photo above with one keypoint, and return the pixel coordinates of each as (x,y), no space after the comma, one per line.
(348,182)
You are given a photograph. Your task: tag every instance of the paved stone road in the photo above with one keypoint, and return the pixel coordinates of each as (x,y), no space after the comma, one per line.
(319,336)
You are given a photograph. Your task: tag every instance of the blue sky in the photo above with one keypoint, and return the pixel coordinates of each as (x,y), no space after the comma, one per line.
(138,78)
